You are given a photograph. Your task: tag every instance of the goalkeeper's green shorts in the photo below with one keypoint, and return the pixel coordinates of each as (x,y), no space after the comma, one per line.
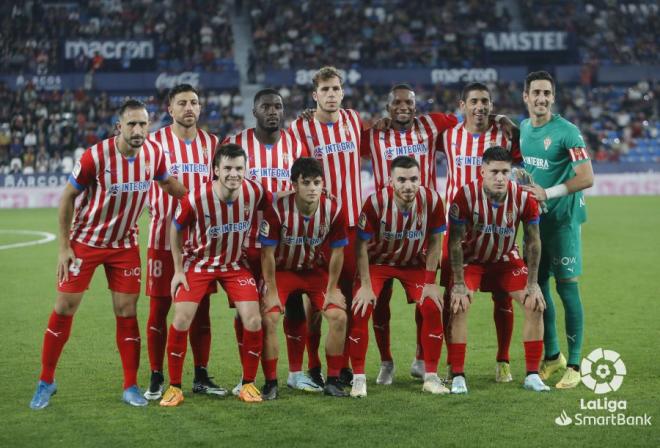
(561,250)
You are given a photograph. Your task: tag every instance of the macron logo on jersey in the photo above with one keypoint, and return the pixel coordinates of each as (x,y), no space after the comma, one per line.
(467,161)
(333,148)
(536,162)
(184,168)
(276,173)
(408,150)
(216,231)
(129,187)
(410,234)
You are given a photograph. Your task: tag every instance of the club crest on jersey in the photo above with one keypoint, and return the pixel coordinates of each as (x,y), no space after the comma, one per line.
(264,228)
(147,173)
(454,211)
(76,169)
(547,142)
(246,210)
(362,222)
(509,218)
(323,229)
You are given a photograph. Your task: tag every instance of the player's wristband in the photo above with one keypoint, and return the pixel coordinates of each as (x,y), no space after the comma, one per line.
(429,277)
(557,191)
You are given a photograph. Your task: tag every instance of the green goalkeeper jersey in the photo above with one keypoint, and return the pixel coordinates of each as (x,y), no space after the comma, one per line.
(550,152)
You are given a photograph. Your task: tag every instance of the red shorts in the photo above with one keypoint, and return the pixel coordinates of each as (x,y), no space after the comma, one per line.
(411,278)
(122,268)
(160,270)
(239,285)
(313,282)
(505,276)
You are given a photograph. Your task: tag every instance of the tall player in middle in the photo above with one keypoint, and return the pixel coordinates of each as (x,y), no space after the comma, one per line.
(188,151)
(333,136)
(271,152)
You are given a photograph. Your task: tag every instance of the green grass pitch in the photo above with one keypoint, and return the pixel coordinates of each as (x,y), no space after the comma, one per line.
(620,290)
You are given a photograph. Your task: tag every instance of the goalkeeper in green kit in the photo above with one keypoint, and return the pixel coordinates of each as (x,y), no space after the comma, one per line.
(556,156)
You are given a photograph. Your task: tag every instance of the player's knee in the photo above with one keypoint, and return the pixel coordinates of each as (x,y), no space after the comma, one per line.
(534,316)
(252,322)
(270,320)
(67,304)
(336,319)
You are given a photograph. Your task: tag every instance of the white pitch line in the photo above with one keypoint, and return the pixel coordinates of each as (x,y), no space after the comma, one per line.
(47,237)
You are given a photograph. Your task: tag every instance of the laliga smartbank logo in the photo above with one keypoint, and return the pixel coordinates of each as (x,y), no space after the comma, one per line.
(602,371)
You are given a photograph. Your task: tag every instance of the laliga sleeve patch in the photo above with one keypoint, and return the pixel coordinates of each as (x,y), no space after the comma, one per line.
(76,170)
(362,222)
(454,211)
(264,228)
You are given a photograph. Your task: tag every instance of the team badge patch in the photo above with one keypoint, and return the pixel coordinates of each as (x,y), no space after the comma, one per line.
(547,142)
(147,173)
(509,218)
(362,222)
(454,211)
(246,208)
(264,228)
(323,229)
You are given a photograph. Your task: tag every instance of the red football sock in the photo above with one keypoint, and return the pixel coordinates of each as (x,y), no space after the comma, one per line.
(334,364)
(252,346)
(431,335)
(200,333)
(503,317)
(269,367)
(238,330)
(419,320)
(358,340)
(533,353)
(128,343)
(56,335)
(446,305)
(381,322)
(346,286)
(177,344)
(295,332)
(457,357)
(313,343)
(157,330)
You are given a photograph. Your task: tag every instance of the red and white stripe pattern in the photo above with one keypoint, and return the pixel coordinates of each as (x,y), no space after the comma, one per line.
(191,164)
(464,152)
(337,147)
(399,238)
(420,142)
(300,238)
(217,229)
(115,192)
(578,153)
(269,165)
(491,229)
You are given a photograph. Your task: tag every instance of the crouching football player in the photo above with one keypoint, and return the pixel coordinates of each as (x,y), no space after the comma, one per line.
(484,218)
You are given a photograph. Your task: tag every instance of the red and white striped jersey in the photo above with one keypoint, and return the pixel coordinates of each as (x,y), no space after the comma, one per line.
(337,147)
(420,142)
(300,239)
(491,228)
(115,192)
(464,152)
(217,228)
(399,238)
(269,165)
(192,164)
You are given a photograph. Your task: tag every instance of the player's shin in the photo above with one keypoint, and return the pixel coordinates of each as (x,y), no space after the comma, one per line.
(574,316)
(129,344)
(381,322)
(270,355)
(550,338)
(503,317)
(432,335)
(56,335)
(177,345)
(358,339)
(157,331)
(458,342)
(532,336)
(200,333)
(334,344)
